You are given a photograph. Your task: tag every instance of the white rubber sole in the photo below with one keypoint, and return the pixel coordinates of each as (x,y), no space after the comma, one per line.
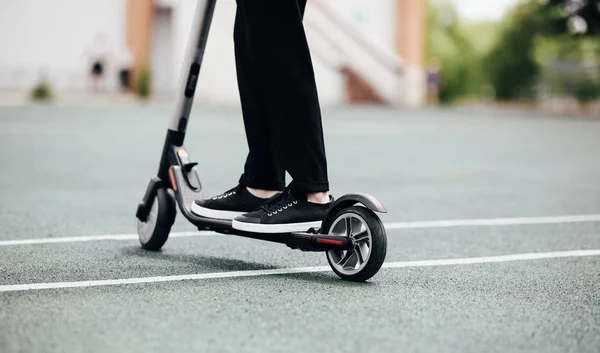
(217,214)
(275,228)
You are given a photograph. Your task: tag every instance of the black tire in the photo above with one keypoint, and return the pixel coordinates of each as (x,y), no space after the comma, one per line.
(378,244)
(153,233)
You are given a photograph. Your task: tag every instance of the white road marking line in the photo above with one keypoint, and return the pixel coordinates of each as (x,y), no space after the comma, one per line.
(389,226)
(494,221)
(254,273)
(85,238)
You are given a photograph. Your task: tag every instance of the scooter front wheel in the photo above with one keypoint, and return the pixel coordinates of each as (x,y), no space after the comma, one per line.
(367,233)
(154,232)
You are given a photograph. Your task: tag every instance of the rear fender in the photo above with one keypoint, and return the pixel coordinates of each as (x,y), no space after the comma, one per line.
(350,200)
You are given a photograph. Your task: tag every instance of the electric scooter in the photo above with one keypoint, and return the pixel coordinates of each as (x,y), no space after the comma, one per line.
(351,234)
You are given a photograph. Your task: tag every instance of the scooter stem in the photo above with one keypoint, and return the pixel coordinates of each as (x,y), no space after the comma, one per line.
(192,63)
(187,84)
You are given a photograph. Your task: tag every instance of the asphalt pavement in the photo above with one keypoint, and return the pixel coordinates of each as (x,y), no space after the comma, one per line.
(493,226)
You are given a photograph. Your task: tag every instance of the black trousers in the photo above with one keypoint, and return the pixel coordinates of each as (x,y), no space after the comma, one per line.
(279,98)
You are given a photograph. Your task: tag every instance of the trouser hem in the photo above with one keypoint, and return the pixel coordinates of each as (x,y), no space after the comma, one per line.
(257,183)
(309,187)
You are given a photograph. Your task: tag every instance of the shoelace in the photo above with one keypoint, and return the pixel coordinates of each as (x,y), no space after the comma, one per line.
(227,193)
(280,203)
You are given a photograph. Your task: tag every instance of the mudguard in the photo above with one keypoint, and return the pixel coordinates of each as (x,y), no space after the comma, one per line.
(349,200)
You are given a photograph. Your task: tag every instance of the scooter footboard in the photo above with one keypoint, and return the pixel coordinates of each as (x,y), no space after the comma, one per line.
(188,188)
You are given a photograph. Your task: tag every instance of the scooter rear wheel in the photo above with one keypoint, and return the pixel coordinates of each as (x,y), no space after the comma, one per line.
(153,233)
(367,233)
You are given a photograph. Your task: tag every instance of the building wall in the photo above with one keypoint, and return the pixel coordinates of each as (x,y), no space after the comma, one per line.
(51,36)
(410,44)
(374,18)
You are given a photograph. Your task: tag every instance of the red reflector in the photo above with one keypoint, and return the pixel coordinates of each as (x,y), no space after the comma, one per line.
(330,241)
(172,177)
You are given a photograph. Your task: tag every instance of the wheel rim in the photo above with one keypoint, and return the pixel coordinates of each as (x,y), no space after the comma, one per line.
(145,229)
(350,262)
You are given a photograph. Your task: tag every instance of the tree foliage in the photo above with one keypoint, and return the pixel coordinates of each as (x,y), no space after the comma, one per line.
(452,49)
(538,44)
(511,64)
(586,10)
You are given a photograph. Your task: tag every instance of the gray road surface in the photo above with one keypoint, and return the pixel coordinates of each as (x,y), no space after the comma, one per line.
(80,172)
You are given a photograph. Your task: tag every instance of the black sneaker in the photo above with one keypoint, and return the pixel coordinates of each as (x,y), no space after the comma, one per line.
(285,213)
(229,204)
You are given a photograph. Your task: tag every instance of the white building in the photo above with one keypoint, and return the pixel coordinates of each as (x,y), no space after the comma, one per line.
(362,49)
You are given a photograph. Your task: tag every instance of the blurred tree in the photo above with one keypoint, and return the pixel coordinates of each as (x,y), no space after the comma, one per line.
(452,50)
(534,36)
(570,51)
(579,16)
(511,64)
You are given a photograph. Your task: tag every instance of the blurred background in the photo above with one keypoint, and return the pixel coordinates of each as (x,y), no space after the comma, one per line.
(527,54)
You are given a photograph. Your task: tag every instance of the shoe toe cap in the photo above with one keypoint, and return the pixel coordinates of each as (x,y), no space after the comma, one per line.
(247,218)
(202,203)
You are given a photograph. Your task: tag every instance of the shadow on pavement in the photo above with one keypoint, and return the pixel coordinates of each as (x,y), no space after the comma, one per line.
(203,263)
(326,278)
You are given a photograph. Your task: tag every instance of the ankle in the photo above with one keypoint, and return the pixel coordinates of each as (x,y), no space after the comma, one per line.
(263,194)
(318,197)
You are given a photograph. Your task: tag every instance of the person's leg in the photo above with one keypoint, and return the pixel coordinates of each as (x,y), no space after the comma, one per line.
(301,7)
(319,196)
(283,62)
(262,170)
(263,175)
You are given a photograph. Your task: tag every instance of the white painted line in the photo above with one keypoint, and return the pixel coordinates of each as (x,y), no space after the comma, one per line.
(494,221)
(254,273)
(389,226)
(496,259)
(85,238)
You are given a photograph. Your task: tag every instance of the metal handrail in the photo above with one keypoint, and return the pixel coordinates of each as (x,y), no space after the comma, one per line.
(395,66)
(310,26)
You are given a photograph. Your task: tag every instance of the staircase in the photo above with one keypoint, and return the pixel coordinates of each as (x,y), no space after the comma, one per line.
(373,74)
